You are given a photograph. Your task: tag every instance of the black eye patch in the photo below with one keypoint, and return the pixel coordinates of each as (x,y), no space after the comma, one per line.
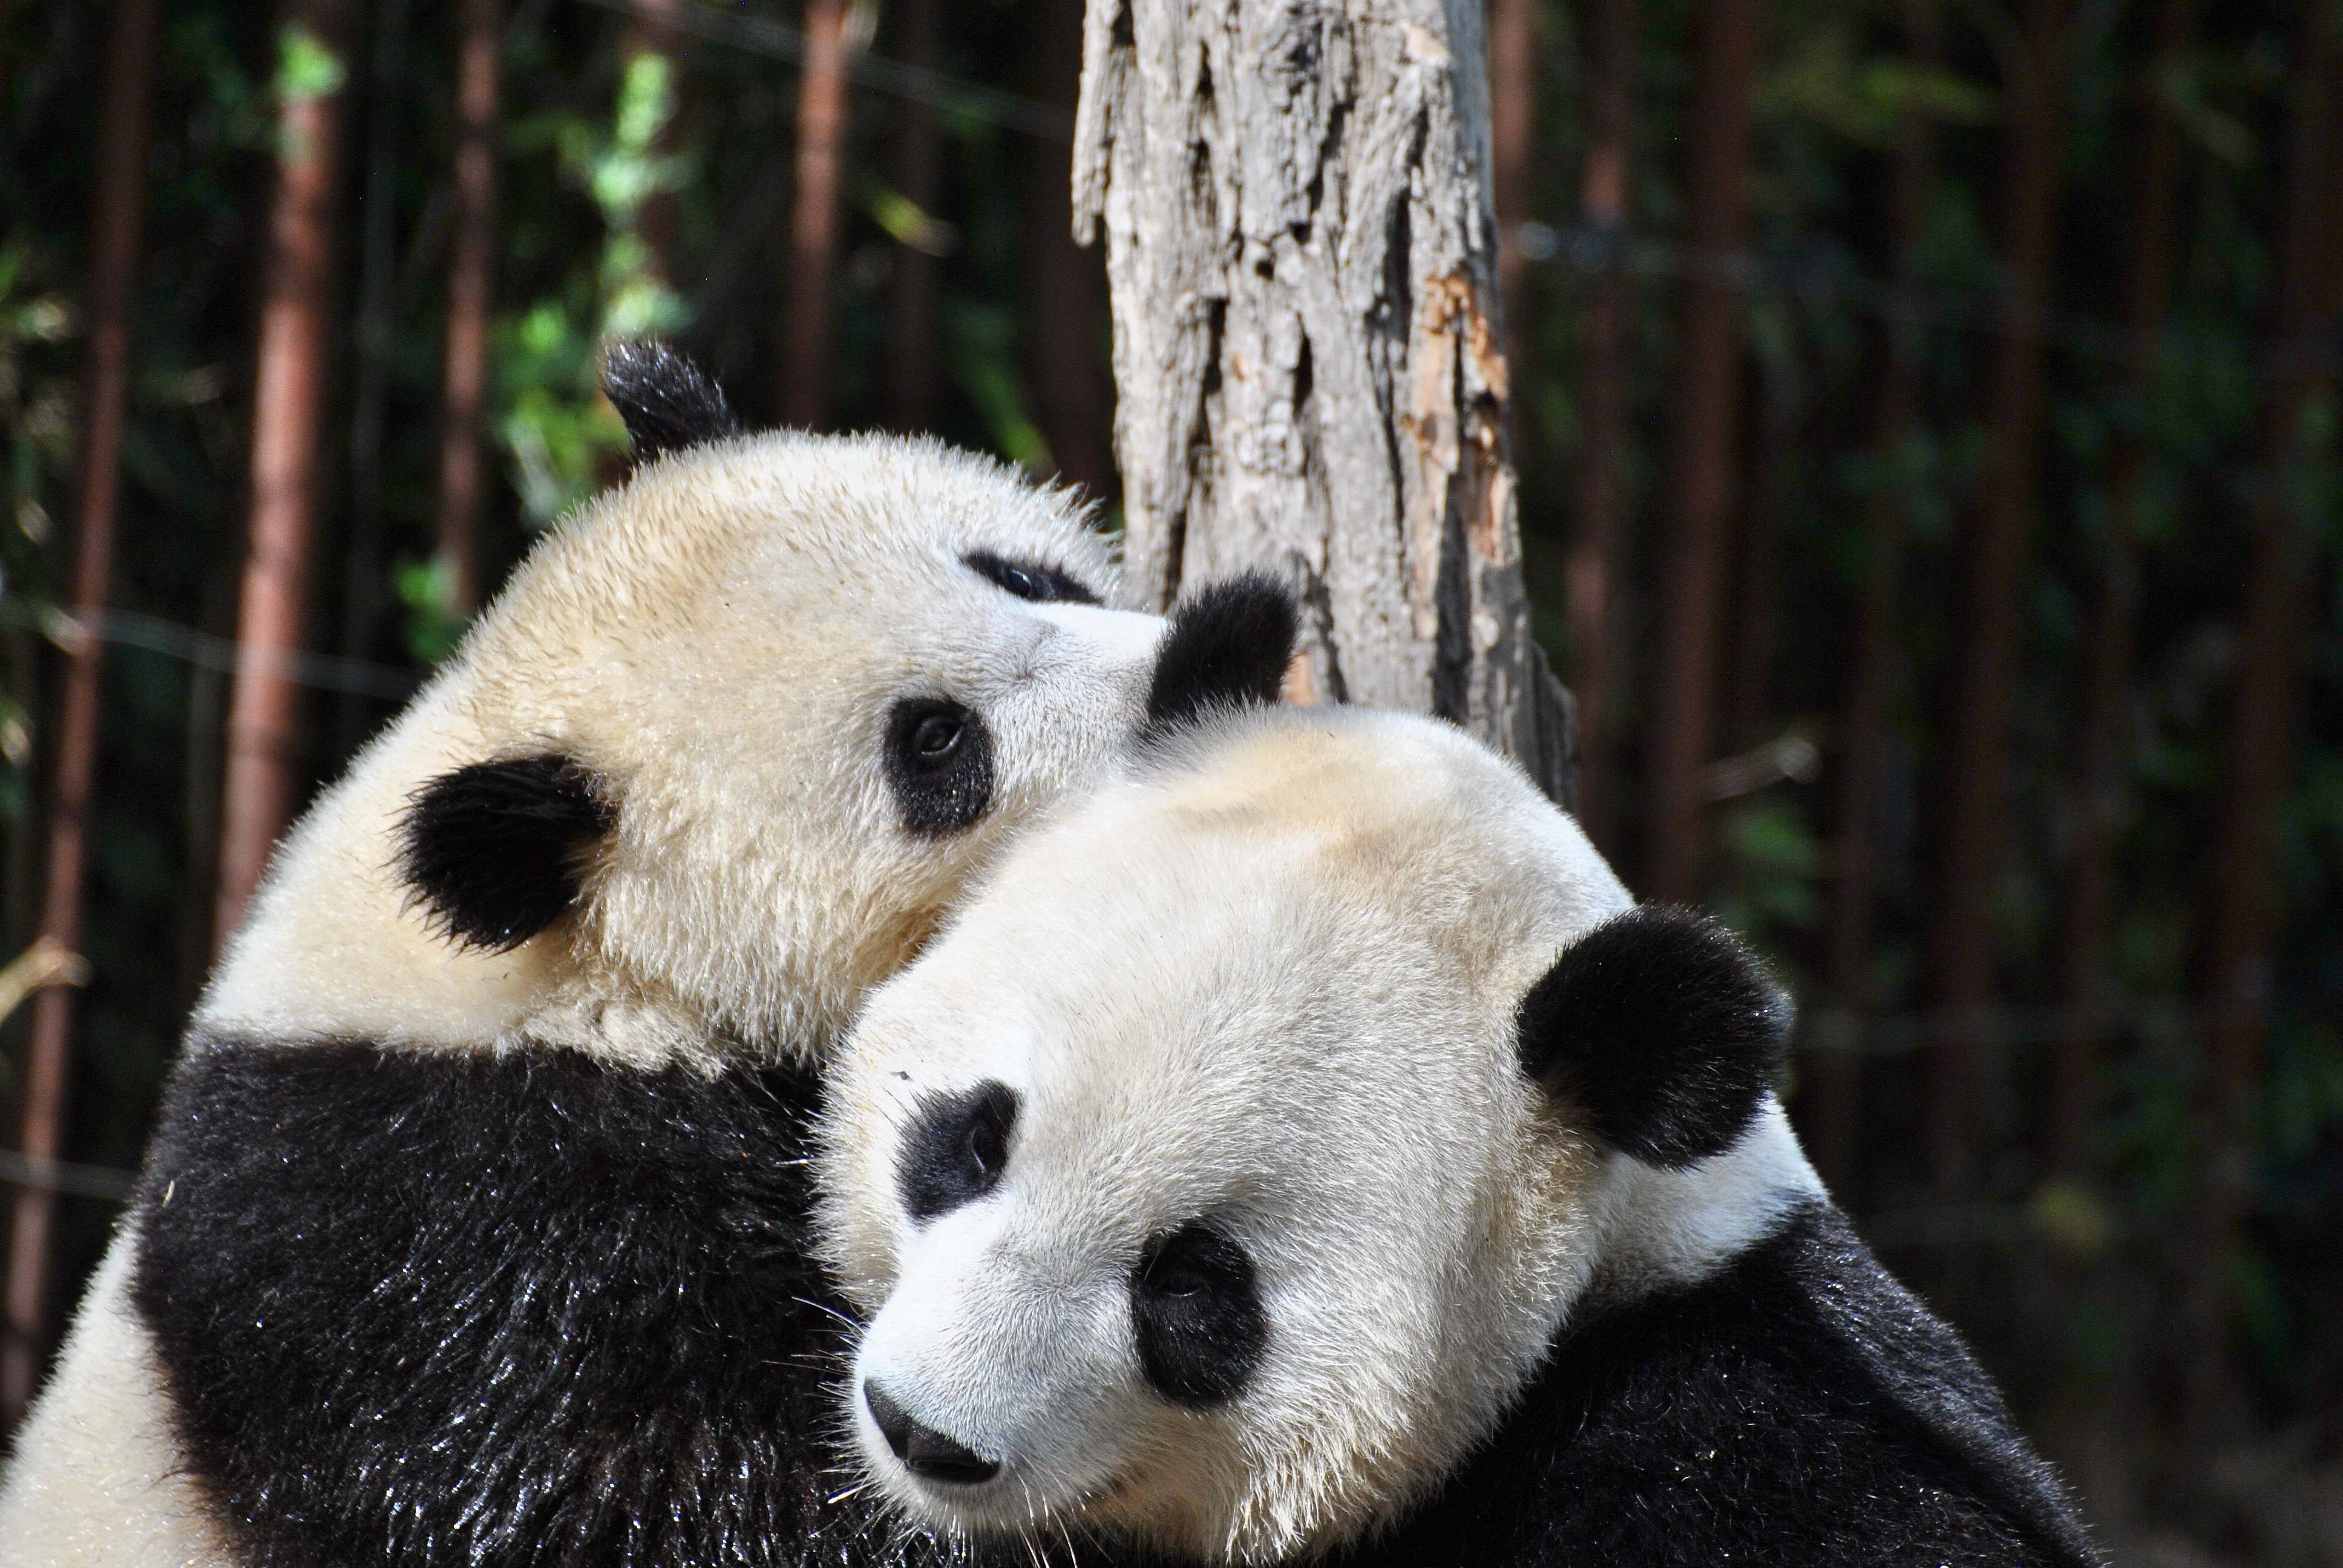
(939,764)
(956,1149)
(1197,1310)
(1029,579)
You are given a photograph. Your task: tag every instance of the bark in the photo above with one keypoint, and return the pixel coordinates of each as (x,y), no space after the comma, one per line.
(1958,954)
(1693,569)
(113,267)
(290,392)
(813,221)
(1591,566)
(2239,912)
(1308,347)
(911,370)
(471,284)
(2096,794)
(1831,1106)
(1747,687)
(1065,302)
(1513,115)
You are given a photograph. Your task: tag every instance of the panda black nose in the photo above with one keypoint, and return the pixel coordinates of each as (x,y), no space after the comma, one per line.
(1228,646)
(925,1452)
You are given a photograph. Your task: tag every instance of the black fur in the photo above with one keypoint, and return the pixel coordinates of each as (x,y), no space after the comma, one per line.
(1196,1308)
(498,1311)
(938,760)
(1228,647)
(1800,1407)
(1663,1028)
(666,400)
(1030,579)
(496,850)
(956,1149)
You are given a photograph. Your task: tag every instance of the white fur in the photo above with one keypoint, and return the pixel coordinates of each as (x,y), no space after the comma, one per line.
(720,640)
(1271,983)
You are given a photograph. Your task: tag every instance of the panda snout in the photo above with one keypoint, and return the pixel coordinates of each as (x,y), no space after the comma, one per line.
(926,1452)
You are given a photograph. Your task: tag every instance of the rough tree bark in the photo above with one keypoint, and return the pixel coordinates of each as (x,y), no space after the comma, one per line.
(1830,1106)
(2095,792)
(910,367)
(1591,566)
(116,223)
(1065,297)
(813,219)
(289,390)
(1684,663)
(2238,916)
(1958,956)
(1308,347)
(471,284)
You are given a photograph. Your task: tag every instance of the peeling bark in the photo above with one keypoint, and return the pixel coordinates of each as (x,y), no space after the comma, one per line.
(1308,350)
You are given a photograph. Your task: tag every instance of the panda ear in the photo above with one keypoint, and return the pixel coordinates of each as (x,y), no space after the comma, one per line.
(1228,647)
(666,400)
(1662,1028)
(496,851)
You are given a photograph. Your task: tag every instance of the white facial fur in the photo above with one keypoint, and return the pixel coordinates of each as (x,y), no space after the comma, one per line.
(720,642)
(1272,985)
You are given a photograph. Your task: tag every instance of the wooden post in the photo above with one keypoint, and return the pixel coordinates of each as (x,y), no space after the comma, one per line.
(1308,349)
(289,391)
(116,223)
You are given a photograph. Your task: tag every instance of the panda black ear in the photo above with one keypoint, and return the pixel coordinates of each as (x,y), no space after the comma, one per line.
(496,851)
(1228,647)
(666,400)
(1662,1028)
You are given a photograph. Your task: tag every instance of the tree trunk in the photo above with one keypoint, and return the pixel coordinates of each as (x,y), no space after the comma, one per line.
(1512,115)
(2097,790)
(1831,1105)
(114,274)
(471,284)
(1957,957)
(289,391)
(2239,914)
(362,562)
(813,221)
(1747,689)
(1308,349)
(911,370)
(1690,577)
(660,218)
(1591,566)
(1065,301)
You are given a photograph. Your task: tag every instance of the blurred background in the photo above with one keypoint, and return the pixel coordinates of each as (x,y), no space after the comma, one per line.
(1993,343)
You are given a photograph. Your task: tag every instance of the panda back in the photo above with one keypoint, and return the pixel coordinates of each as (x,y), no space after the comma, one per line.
(1797,1406)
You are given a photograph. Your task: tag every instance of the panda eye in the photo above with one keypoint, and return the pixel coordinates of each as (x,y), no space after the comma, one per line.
(956,1150)
(1028,580)
(1191,1262)
(935,736)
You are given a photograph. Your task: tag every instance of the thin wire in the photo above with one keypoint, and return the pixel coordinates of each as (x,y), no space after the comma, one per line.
(1592,248)
(64,1176)
(128,628)
(937,89)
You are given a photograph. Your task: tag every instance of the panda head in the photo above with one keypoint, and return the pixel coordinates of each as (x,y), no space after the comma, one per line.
(725,747)
(1218,1177)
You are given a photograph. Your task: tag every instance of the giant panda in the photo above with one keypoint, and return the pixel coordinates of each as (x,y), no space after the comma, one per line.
(1306,1149)
(475,1227)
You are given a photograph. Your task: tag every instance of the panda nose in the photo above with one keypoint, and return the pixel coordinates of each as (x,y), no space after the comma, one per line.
(925,1452)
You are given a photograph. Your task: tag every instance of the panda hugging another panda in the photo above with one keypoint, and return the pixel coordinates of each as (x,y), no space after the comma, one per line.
(1355,1172)
(1299,1148)
(475,1229)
